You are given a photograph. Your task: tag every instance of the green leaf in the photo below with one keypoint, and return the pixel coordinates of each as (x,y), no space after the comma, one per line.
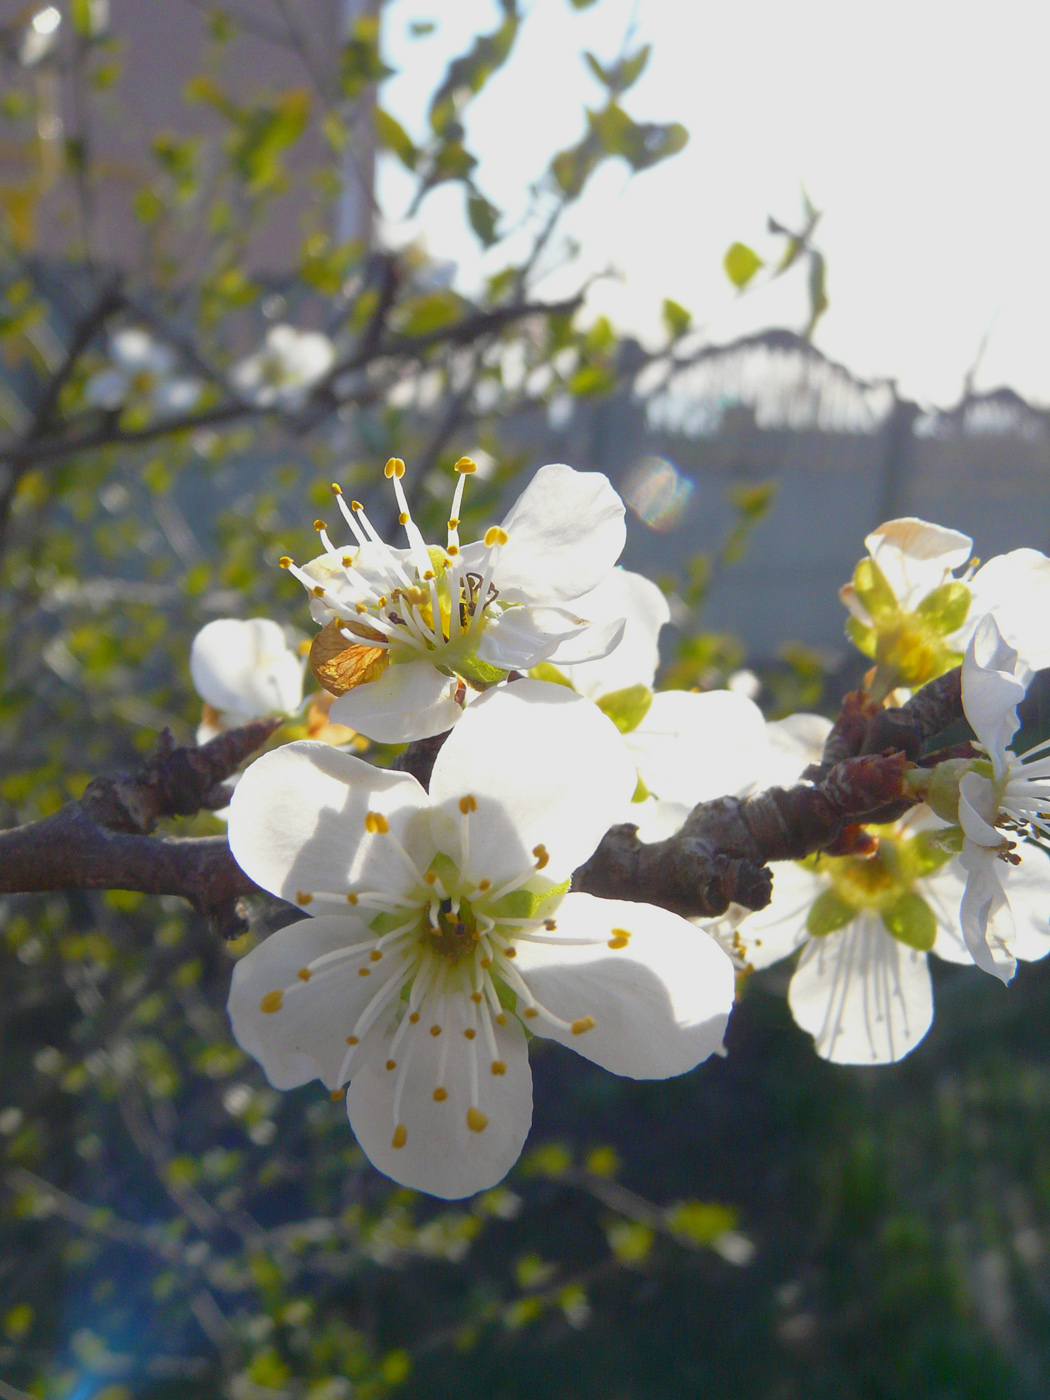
(627,707)
(676,318)
(431,312)
(581,4)
(641,144)
(467,75)
(623,74)
(741,263)
(818,296)
(945,609)
(360,64)
(910,920)
(591,380)
(392,136)
(700,1222)
(828,912)
(482,216)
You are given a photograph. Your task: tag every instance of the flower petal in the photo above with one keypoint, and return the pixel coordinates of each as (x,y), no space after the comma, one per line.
(864,998)
(410,700)
(523,636)
(1016,588)
(916,557)
(441,1153)
(658,1004)
(977,811)
(297,824)
(987,922)
(636,599)
(305,1038)
(769,934)
(593,643)
(691,747)
(1027,887)
(545,768)
(246,667)
(794,743)
(565,532)
(992,689)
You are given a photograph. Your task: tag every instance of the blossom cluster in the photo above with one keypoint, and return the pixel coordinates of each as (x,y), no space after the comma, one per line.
(440,931)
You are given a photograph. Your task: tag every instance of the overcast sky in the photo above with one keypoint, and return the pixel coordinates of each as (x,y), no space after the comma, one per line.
(919,127)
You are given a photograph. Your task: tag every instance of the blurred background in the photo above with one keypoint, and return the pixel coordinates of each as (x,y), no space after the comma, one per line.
(775,271)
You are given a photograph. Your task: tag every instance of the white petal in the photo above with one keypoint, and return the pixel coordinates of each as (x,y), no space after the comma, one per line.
(987,923)
(865,998)
(544,766)
(594,643)
(410,700)
(943,892)
(1027,887)
(794,743)
(659,1005)
(916,557)
(297,824)
(992,689)
(691,747)
(636,599)
(655,819)
(767,935)
(306,1038)
(565,532)
(246,667)
(525,635)
(107,389)
(441,1154)
(1016,588)
(977,811)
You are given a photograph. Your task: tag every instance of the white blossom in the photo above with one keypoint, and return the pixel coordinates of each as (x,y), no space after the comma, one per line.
(442,935)
(141,366)
(283,372)
(1004,810)
(243,670)
(411,634)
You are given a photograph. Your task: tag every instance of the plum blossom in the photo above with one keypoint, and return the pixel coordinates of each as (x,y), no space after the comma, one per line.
(283,372)
(442,935)
(914,614)
(140,366)
(687,746)
(1004,811)
(411,634)
(243,670)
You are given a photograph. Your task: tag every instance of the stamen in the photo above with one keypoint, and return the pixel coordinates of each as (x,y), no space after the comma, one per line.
(476,1120)
(271,1002)
(400,1136)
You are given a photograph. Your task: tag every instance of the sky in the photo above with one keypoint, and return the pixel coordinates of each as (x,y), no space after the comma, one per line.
(919,128)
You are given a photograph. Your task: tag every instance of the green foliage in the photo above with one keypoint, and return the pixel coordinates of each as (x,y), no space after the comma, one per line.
(741,263)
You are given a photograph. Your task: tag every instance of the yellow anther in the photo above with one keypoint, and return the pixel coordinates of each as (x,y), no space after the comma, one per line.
(391,1064)
(435,1030)
(352,1040)
(414,1017)
(453,524)
(430,877)
(620,938)
(351,899)
(498,1067)
(394,467)
(403,517)
(364,972)
(486,962)
(271,1002)
(530,1012)
(400,1136)
(540,852)
(453,550)
(356,505)
(285,561)
(375,955)
(337,490)
(336,1095)
(476,998)
(429,575)
(381,601)
(302,898)
(320,525)
(465,465)
(376,823)
(494,535)
(476,1120)
(317,591)
(510,952)
(347,561)
(440,1095)
(304,974)
(468,804)
(470,1033)
(585,1023)
(360,608)
(484,885)
(304,647)
(550,925)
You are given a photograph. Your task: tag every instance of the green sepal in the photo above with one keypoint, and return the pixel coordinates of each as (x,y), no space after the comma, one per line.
(628,707)
(873,590)
(864,638)
(910,920)
(438,559)
(641,792)
(946,607)
(928,851)
(525,904)
(828,912)
(547,671)
(479,674)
